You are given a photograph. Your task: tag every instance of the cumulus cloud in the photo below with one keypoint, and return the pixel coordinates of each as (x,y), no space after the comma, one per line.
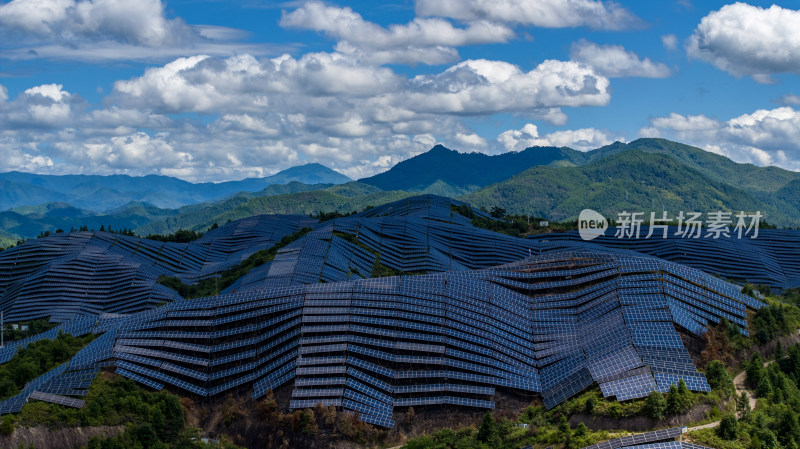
(44,106)
(336,90)
(141,22)
(584,139)
(135,151)
(204,84)
(99,30)
(542,13)
(262,114)
(749,40)
(20,160)
(669,41)
(477,87)
(470,140)
(423,40)
(614,61)
(764,137)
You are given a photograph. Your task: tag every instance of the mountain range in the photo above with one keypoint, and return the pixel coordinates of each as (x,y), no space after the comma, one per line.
(556,183)
(104,193)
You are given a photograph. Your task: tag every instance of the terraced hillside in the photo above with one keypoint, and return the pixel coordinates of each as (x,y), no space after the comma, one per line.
(404,304)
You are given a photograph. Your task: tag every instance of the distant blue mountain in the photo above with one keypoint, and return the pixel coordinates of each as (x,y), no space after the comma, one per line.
(103,193)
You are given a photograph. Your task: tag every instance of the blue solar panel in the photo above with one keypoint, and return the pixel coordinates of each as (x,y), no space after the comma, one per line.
(493,312)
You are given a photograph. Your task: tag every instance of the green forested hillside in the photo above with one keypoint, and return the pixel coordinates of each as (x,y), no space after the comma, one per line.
(306,203)
(31,221)
(345,198)
(716,167)
(465,170)
(631,180)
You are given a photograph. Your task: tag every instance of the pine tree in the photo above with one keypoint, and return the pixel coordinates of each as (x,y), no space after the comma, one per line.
(743,406)
(488,429)
(764,388)
(673,406)
(655,405)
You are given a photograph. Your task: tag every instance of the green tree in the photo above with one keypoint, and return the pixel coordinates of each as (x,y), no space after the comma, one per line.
(591,402)
(679,398)
(581,430)
(768,439)
(718,377)
(487,432)
(755,369)
(563,426)
(728,427)
(497,212)
(7,425)
(684,395)
(24,372)
(764,388)
(743,405)
(779,353)
(615,410)
(789,429)
(655,405)
(7,386)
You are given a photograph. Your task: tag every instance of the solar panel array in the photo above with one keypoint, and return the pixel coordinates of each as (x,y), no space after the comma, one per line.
(773,258)
(88,273)
(659,439)
(493,312)
(69,381)
(554,323)
(665,435)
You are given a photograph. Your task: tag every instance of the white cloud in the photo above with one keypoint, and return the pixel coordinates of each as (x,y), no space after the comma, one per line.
(478,87)
(786,100)
(428,41)
(336,95)
(679,122)
(51,91)
(101,30)
(210,118)
(19,160)
(764,137)
(47,105)
(584,139)
(542,13)
(141,22)
(136,151)
(470,141)
(749,40)
(614,61)
(669,41)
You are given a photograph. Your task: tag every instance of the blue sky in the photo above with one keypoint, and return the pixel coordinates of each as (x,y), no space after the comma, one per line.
(215,90)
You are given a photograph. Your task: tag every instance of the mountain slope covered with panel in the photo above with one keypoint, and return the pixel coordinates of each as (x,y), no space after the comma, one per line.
(402,305)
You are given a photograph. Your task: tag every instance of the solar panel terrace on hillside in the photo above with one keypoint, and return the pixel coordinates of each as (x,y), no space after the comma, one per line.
(88,273)
(493,312)
(772,259)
